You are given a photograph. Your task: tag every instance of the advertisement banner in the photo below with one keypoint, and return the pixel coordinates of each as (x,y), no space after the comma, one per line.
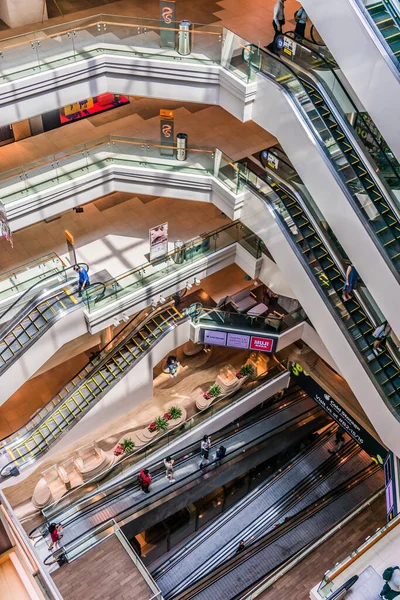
(167,132)
(5,230)
(167,24)
(340,415)
(268,159)
(390,491)
(216,338)
(261,344)
(158,241)
(242,341)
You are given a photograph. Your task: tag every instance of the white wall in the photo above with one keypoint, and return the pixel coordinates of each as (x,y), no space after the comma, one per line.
(363,60)
(324,322)
(275,111)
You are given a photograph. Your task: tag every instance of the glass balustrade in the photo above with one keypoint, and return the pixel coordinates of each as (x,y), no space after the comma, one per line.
(194,250)
(64,44)
(17,280)
(272,323)
(384,18)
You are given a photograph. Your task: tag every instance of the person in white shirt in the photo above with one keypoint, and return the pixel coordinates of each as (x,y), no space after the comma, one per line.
(279,16)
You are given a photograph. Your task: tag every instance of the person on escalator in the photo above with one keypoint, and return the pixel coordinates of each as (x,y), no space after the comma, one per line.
(145,480)
(350,284)
(241,547)
(55,535)
(169,469)
(205,451)
(339,441)
(83,281)
(380,334)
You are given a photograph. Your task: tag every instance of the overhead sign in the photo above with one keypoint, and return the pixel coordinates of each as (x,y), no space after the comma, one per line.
(242,341)
(340,415)
(167,24)
(269,159)
(158,241)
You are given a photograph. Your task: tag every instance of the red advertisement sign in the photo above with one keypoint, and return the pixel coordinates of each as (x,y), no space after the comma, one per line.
(261,344)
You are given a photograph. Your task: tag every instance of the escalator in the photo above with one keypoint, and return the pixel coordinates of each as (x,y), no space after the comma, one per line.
(250,440)
(32,314)
(368,197)
(85,389)
(239,572)
(311,477)
(387,20)
(324,265)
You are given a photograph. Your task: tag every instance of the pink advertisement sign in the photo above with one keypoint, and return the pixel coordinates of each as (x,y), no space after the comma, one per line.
(261,344)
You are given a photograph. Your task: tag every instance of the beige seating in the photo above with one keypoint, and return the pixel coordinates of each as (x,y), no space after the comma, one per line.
(243,300)
(49,488)
(227,380)
(69,473)
(191,349)
(259,361)
(201,402)
(145,435)
(91,461)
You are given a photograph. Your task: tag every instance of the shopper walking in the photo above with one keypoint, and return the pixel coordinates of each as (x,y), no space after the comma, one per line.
(169,468)
(300,16)
(205,451)
(55,535)
(145,480)
(279,16)
(83,281)
(220,453)
(172,364)
(380,334)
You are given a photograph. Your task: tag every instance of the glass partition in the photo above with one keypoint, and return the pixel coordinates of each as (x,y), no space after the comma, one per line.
(19,279)
(270,324)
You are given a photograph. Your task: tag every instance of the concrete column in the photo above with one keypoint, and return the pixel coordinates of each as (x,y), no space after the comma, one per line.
(22,12)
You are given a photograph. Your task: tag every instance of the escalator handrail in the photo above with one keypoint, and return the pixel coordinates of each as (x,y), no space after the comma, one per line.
(255,547)
(158,467)
(91,362)
(395,15)
(330,68)
(229,456)
(8,466)
(72,267)
(345,189)
(339,322)
(239,506)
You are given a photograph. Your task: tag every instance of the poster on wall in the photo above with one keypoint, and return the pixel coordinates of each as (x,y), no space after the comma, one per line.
(167,24)
(390,487)
(158,241)
(5,230)
(340,415)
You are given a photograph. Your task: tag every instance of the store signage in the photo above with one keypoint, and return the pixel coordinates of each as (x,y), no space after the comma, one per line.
(390,492)
(268,159)
(167,132)
(238,340)
(5,230)
(289,46)
(167,24)
(216,338)
(261,344)
(340,415)
(241,341)
(158,241)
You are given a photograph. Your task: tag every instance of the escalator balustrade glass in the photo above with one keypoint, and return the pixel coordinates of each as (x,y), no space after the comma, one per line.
(384,17)
(373,205)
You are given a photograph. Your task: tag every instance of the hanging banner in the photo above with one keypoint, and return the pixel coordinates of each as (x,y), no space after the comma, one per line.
(5,230)
(167,132)
(340,415)
(167,24)
(158,241)
(233,339)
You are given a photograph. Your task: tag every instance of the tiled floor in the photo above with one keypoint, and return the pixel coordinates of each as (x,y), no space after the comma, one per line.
(113,232)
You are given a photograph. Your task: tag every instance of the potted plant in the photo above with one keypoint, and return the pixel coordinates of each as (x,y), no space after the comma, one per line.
(214,390)
(128,445)
(161,424)
(118,450)
(175,412)
(167,416)
(152,427)
(207,396)
(245,371)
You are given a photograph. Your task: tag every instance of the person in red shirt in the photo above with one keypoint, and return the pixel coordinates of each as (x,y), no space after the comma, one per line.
(55,534)
(145,480)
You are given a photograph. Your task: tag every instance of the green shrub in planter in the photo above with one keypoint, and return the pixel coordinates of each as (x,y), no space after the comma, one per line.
(128,445)
(161,424)
(175,412)
(246,370)
(214,390)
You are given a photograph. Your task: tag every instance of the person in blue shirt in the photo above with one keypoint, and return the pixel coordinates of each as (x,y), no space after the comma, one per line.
(83,281)
(300,16)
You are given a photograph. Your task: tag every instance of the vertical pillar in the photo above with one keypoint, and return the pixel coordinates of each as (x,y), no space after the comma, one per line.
(22,12)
